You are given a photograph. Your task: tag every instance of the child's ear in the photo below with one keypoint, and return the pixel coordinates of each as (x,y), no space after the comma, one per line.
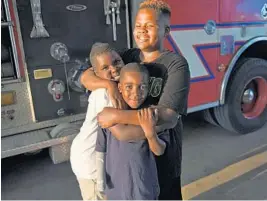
(167,31)
(119,87)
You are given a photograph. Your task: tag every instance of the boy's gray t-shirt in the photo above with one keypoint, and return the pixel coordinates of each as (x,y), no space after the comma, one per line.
(130,167)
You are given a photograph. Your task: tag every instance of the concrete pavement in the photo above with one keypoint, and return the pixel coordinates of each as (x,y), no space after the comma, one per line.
(216,165)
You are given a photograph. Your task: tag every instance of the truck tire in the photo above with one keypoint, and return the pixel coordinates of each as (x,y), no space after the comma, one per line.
(64,129)
(208,116)
(4,53)
(33,153)
(245,108)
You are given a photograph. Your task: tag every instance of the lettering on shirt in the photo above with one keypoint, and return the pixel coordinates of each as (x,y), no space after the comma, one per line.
(155,86)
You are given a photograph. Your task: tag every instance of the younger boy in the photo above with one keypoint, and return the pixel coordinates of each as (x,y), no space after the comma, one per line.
(130,166)
(106,65)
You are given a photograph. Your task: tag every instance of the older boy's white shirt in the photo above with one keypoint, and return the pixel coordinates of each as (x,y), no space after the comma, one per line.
(82,157)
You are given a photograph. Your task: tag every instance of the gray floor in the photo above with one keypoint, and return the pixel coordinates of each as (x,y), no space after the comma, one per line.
(206,150)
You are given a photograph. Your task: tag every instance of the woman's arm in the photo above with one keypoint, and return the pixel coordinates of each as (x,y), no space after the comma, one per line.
(127,132)
(111,116)
(172,103)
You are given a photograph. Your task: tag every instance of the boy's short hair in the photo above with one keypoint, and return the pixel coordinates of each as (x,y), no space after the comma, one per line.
(98,49)
(134,67)
(160,6)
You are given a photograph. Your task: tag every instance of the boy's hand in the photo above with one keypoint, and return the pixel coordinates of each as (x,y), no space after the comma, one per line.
(115,96)
(148,119)
(106,116)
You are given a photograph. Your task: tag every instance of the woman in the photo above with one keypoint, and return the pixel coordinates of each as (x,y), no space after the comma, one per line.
(169,88)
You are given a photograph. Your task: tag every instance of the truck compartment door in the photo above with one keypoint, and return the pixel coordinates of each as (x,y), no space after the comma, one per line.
(76,25)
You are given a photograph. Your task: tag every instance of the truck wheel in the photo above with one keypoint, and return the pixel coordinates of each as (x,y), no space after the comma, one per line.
(208,116)
(245,108)
(64,129)
(33,153)
(4,53)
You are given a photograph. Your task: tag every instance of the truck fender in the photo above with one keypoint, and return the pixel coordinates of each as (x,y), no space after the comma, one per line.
(233,64)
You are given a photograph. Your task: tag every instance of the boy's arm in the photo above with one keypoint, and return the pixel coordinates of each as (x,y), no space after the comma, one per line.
(156,145)
(101,148)
(100,171)
(92,82)
(147,119)
(101,141)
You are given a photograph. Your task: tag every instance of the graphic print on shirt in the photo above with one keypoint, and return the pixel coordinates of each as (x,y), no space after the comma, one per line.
(155,86)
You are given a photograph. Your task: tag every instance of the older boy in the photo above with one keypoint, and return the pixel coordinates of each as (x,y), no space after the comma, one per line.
(106,65)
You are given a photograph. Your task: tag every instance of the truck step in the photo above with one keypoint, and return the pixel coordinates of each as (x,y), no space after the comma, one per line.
(31,141)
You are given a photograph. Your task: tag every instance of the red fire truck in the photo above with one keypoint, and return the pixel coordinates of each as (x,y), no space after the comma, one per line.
(45,44)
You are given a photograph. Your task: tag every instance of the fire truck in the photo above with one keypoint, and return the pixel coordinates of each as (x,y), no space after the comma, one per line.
(45,45)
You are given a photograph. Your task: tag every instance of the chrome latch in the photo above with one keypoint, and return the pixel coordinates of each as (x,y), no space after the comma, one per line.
(56,88)
(113,7)
(38,30)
